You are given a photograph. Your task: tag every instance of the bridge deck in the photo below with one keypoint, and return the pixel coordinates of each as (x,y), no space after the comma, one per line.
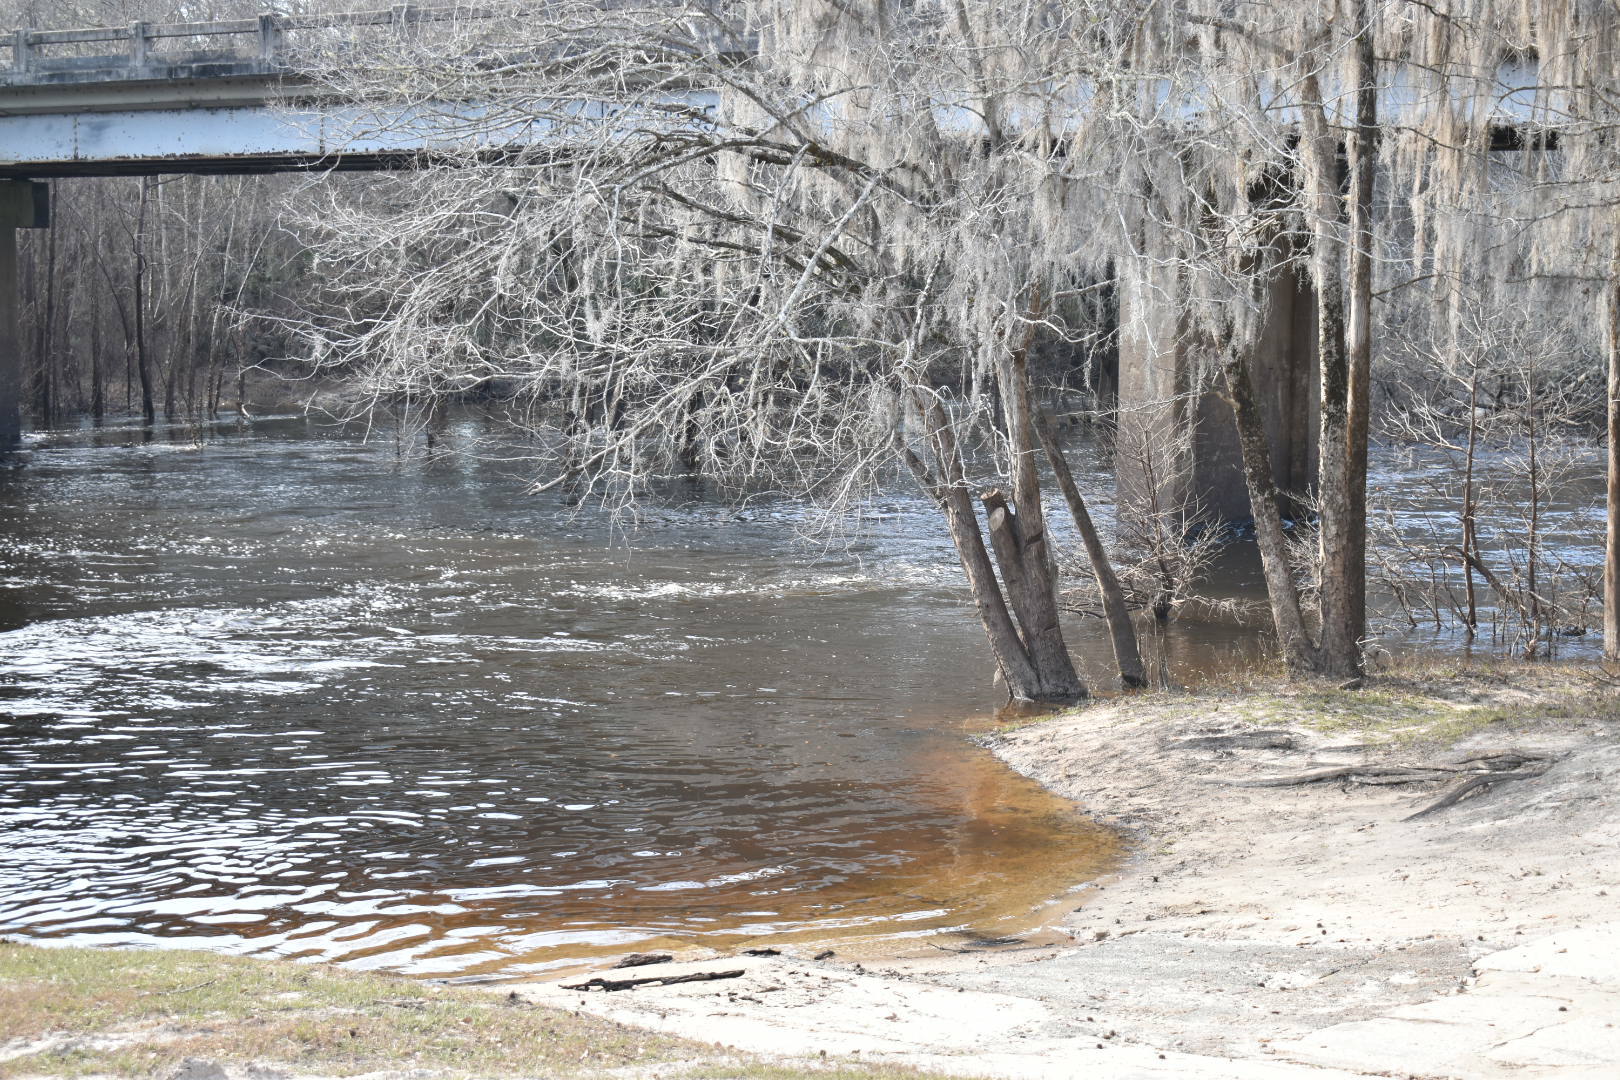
(229,100)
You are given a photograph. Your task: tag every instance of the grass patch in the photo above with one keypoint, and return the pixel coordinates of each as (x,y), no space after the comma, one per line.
(1435,701)
(70,1012)
(1363,712)
(1426,700)
(141,1013)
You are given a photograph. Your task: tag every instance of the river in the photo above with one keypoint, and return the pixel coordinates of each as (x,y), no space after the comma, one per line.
(288,692)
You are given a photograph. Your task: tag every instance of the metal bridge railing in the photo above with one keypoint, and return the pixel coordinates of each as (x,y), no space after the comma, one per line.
(267,33)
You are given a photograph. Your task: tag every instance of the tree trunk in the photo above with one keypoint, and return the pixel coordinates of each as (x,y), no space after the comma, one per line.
(1532,542)
(1012,658)
(1032,593)
(1127,651)
(1021,539)
(1343,653)
(1319,149)
(98,391)
(1298,651)
(952,499)
(1470,532)
(1025,679)
(143,361)
(1611,544)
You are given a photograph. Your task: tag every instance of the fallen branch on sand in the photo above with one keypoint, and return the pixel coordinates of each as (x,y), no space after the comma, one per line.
(600,983)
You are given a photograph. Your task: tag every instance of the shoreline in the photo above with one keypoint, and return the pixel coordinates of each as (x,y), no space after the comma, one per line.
(1258,930)
(1300,930)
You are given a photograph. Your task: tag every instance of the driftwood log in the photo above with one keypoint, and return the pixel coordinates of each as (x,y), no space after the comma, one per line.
(600,983)
(642,959)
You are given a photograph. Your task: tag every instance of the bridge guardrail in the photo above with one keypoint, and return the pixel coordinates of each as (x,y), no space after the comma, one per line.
(269,32)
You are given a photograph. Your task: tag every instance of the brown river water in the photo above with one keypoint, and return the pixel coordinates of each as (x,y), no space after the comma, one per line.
(289,692)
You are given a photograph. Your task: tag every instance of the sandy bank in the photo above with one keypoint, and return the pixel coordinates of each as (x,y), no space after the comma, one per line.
(1309,930)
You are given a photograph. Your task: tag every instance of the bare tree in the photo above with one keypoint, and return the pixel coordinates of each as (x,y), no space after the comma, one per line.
(780,245)
(1494,405)
(785,245)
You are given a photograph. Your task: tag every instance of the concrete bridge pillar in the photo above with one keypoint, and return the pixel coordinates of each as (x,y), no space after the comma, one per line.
(1177,449)
(24,204)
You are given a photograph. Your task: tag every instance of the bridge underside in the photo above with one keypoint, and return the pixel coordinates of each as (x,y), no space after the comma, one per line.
(1177,447)
(219,140)
(203,165)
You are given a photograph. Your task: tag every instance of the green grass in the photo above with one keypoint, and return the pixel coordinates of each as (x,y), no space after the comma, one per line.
(141,1013)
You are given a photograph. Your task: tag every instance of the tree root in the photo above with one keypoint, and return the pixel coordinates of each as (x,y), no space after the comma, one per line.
(1483,772)
(1269,739)
(1365,774)
(1483,782)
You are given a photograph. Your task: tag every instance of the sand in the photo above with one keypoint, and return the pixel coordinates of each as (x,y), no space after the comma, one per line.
(1269,932)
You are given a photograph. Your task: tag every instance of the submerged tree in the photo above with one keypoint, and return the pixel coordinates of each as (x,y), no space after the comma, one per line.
(1419,160)
(1504,156)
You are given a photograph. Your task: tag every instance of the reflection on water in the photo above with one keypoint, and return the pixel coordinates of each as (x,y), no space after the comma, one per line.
(291,693)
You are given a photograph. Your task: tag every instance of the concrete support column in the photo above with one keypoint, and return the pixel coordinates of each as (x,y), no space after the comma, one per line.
(1177,447)
(139,43)
(269,37)
(1158,392)
(24,204)
(10,343)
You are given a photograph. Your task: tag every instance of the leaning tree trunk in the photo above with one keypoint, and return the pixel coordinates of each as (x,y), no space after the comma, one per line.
(1127,651)
(1298,651)
(1019,538)
(1032,591)
(949,494)
(946,484)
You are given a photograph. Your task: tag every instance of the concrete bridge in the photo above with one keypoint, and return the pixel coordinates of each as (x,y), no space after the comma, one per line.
(203,97)
(230,97)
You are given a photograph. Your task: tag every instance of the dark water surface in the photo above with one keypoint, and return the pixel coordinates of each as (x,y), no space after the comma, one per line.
(289,693)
